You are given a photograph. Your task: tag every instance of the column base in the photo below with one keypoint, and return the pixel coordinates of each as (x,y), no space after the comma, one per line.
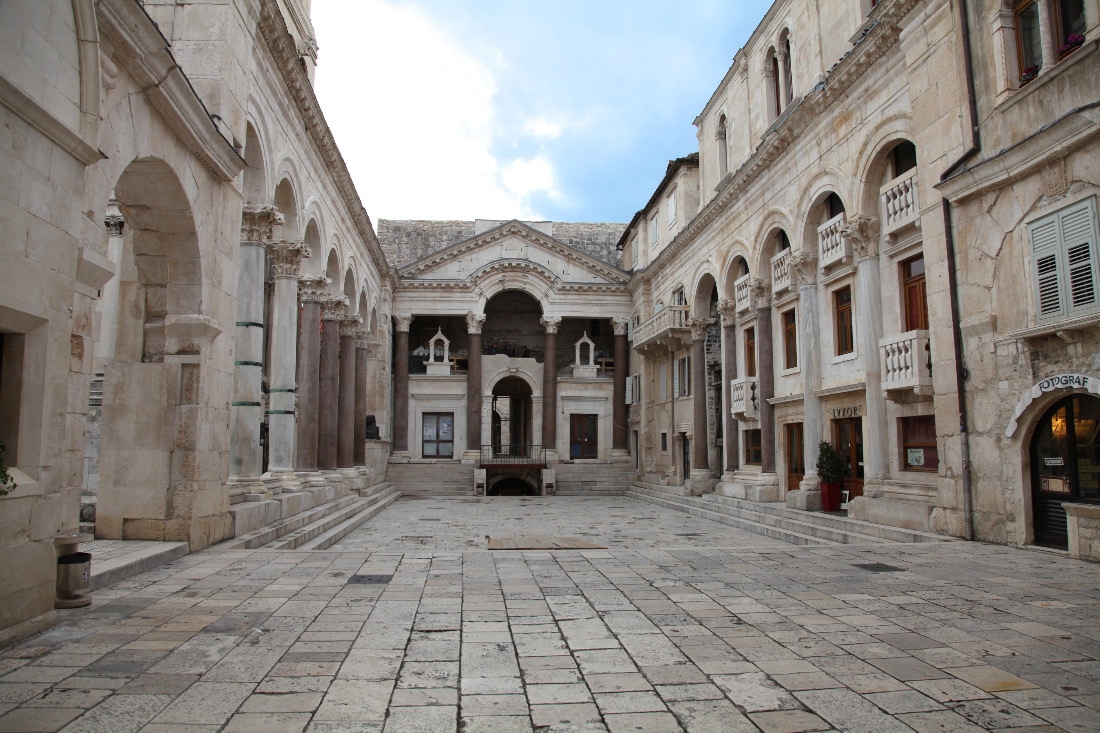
(240,488)
(808,501)
(811,482)
(700,481)
(762,487)
(350,475)
(400,456)
(276,482)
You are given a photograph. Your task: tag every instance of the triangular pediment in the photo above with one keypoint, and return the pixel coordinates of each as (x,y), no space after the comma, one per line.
(513,245)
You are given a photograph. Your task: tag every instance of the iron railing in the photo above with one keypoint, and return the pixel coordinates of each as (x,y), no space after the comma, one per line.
(513,455)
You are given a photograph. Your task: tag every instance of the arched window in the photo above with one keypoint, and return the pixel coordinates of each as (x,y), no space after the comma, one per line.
(788,62)
(776,95)
(720,142)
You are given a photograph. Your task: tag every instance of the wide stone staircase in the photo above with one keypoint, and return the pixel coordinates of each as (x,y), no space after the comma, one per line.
(776,520)
(429,480)
(592,479)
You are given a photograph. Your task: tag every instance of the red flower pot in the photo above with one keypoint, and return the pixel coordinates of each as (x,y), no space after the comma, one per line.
(830,497)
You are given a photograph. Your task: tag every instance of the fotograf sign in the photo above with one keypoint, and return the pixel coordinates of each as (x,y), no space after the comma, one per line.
(1050,384)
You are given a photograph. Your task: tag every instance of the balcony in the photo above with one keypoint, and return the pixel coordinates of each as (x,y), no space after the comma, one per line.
(744,398)
(667,327)
(781,271)
(899,201)
(741,297)
(906,363)
(515,456)
(833,249)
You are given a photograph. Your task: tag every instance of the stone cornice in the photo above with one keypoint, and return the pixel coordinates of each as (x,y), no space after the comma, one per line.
(883,35)
(146,56)
(285,53)
(518,229)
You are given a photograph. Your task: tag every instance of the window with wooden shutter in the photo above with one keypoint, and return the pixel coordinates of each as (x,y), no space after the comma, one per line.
(629,391)
(1065,264)
(676,378)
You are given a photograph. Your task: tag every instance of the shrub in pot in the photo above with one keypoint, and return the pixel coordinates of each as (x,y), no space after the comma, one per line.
(830,469)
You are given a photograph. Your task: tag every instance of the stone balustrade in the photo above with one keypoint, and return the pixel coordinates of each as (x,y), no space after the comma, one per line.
(899,201)
(744,397)
(741,293)
(906,362)
(781,271)
(833,249)
(673,318)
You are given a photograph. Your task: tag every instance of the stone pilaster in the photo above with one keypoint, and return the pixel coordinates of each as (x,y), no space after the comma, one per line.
(474,324)
(328,417)
(619,410)
(804,268)
(312,292)
(550,387)
(401,385)
(286,259)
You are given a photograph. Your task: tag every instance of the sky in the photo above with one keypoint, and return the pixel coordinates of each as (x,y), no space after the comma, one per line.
(498,109)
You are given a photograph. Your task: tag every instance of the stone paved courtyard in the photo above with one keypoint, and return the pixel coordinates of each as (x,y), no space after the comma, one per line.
(664,631)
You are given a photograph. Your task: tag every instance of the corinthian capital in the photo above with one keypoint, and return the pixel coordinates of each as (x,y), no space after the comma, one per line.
(114,224)
(759,293)
(474,322)
(862,232)
(362,338)
(551,323)
(349,325)
(332,307)
(698,327)
(727,309)
(313,288)
(286,257)
(403,321)
(619,325)
(258,222)
(804,269)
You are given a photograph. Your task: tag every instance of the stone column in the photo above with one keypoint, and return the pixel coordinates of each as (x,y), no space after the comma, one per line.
(804,271)
(286,259)
(767,489)
(328,416)
(474,324)
(550,387)
(700,465)
(619,410)
(109,293)
(861,231)
(345,432)
(784,92)
(359,435)
(728,312)
(246,409)
(1048,43)
(311,292)
(401,385)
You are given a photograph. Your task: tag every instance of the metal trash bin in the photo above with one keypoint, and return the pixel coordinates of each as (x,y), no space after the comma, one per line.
(73,571)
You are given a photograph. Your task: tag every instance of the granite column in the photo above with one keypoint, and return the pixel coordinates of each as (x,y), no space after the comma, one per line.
(619,409)
(328,416)
(311,292)
(345,435)
(550,386)
(401,384)
(474,324)
(286,259)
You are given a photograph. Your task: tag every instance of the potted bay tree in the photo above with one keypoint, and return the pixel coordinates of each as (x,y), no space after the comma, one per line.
(830,469)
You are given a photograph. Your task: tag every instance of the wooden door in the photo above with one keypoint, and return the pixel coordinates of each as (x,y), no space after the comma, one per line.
(1065,465)
(848,439)
(583,436)
(796,456)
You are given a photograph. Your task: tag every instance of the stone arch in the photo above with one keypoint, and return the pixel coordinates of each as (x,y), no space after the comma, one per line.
(373,327)
(87,38)
(872,161)
(255,172)
(816,207)
(737,265)
(704,293)
(774,220)
(500,375)
(286,200)
(333,269)
(349,287)
(539,288)
(362,308)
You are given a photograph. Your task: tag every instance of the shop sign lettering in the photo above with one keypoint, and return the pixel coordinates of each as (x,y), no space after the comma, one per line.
(842,412)
(1066,381)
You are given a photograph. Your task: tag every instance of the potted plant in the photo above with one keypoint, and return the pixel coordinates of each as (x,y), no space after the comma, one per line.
(7,483)
(830,469)
(1029,73)
(1072,42)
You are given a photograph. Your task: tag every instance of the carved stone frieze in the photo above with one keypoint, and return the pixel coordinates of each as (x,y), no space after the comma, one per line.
(474,322)
(286,257)
(258,222)
(1053,178)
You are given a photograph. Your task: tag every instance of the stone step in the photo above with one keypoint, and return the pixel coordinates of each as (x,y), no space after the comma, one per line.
(271,532)
(673,502)
(330,529)
(152,555)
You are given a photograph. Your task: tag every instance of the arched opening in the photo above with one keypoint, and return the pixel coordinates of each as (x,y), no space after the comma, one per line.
(788,63)
(349,288)
(771,84)
(723,148)
(822,232)
(1065,465)
(708,437)
(332,264)
(512,486)
(255,175)
(511,410)
(512,326)
(287,204)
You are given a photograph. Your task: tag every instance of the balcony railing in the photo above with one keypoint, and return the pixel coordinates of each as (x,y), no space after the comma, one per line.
(744,397)
(661,323)
(781,271)
(832,248)
(906,362)
(741,293)
(513,455)
(899,200)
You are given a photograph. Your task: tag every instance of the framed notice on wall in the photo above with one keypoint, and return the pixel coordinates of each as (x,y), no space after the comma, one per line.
(1054,484)
(914,456)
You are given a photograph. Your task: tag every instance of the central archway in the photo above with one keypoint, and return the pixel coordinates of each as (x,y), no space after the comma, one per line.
(511,410)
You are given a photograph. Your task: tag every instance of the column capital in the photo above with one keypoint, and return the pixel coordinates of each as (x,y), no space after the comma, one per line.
(312,288)
(474,322)
(804,265)
(332,307)
(862,232)
(258,221)
(362,338)
(620,325)
(551,323)
(349,325)
(286,257)
(759,293)
(727,310)
(403,321)
(114,224)
(698,327)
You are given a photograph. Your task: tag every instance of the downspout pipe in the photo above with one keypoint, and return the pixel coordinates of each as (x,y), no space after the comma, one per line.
(952,271)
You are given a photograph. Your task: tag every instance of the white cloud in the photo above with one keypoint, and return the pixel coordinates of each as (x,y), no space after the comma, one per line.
(414,116)
(543,128)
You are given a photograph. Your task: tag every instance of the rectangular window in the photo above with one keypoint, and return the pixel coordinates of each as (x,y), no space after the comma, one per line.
(652,233)
(750,352)
(634,253)
(664,442)
(662,380)
(672,210)
(682,377)
(790,340)
(753,453)
(915,294)
(679,297)
(1064,263)
(842,304)
(1028,45)
(918,443)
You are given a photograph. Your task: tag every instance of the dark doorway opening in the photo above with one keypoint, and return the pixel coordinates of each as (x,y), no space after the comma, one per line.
(513,487)
(1065,465)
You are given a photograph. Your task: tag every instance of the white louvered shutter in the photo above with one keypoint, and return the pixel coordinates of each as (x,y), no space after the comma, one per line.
(676,378)
(1046,256)
(1078,230)
(629,390)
